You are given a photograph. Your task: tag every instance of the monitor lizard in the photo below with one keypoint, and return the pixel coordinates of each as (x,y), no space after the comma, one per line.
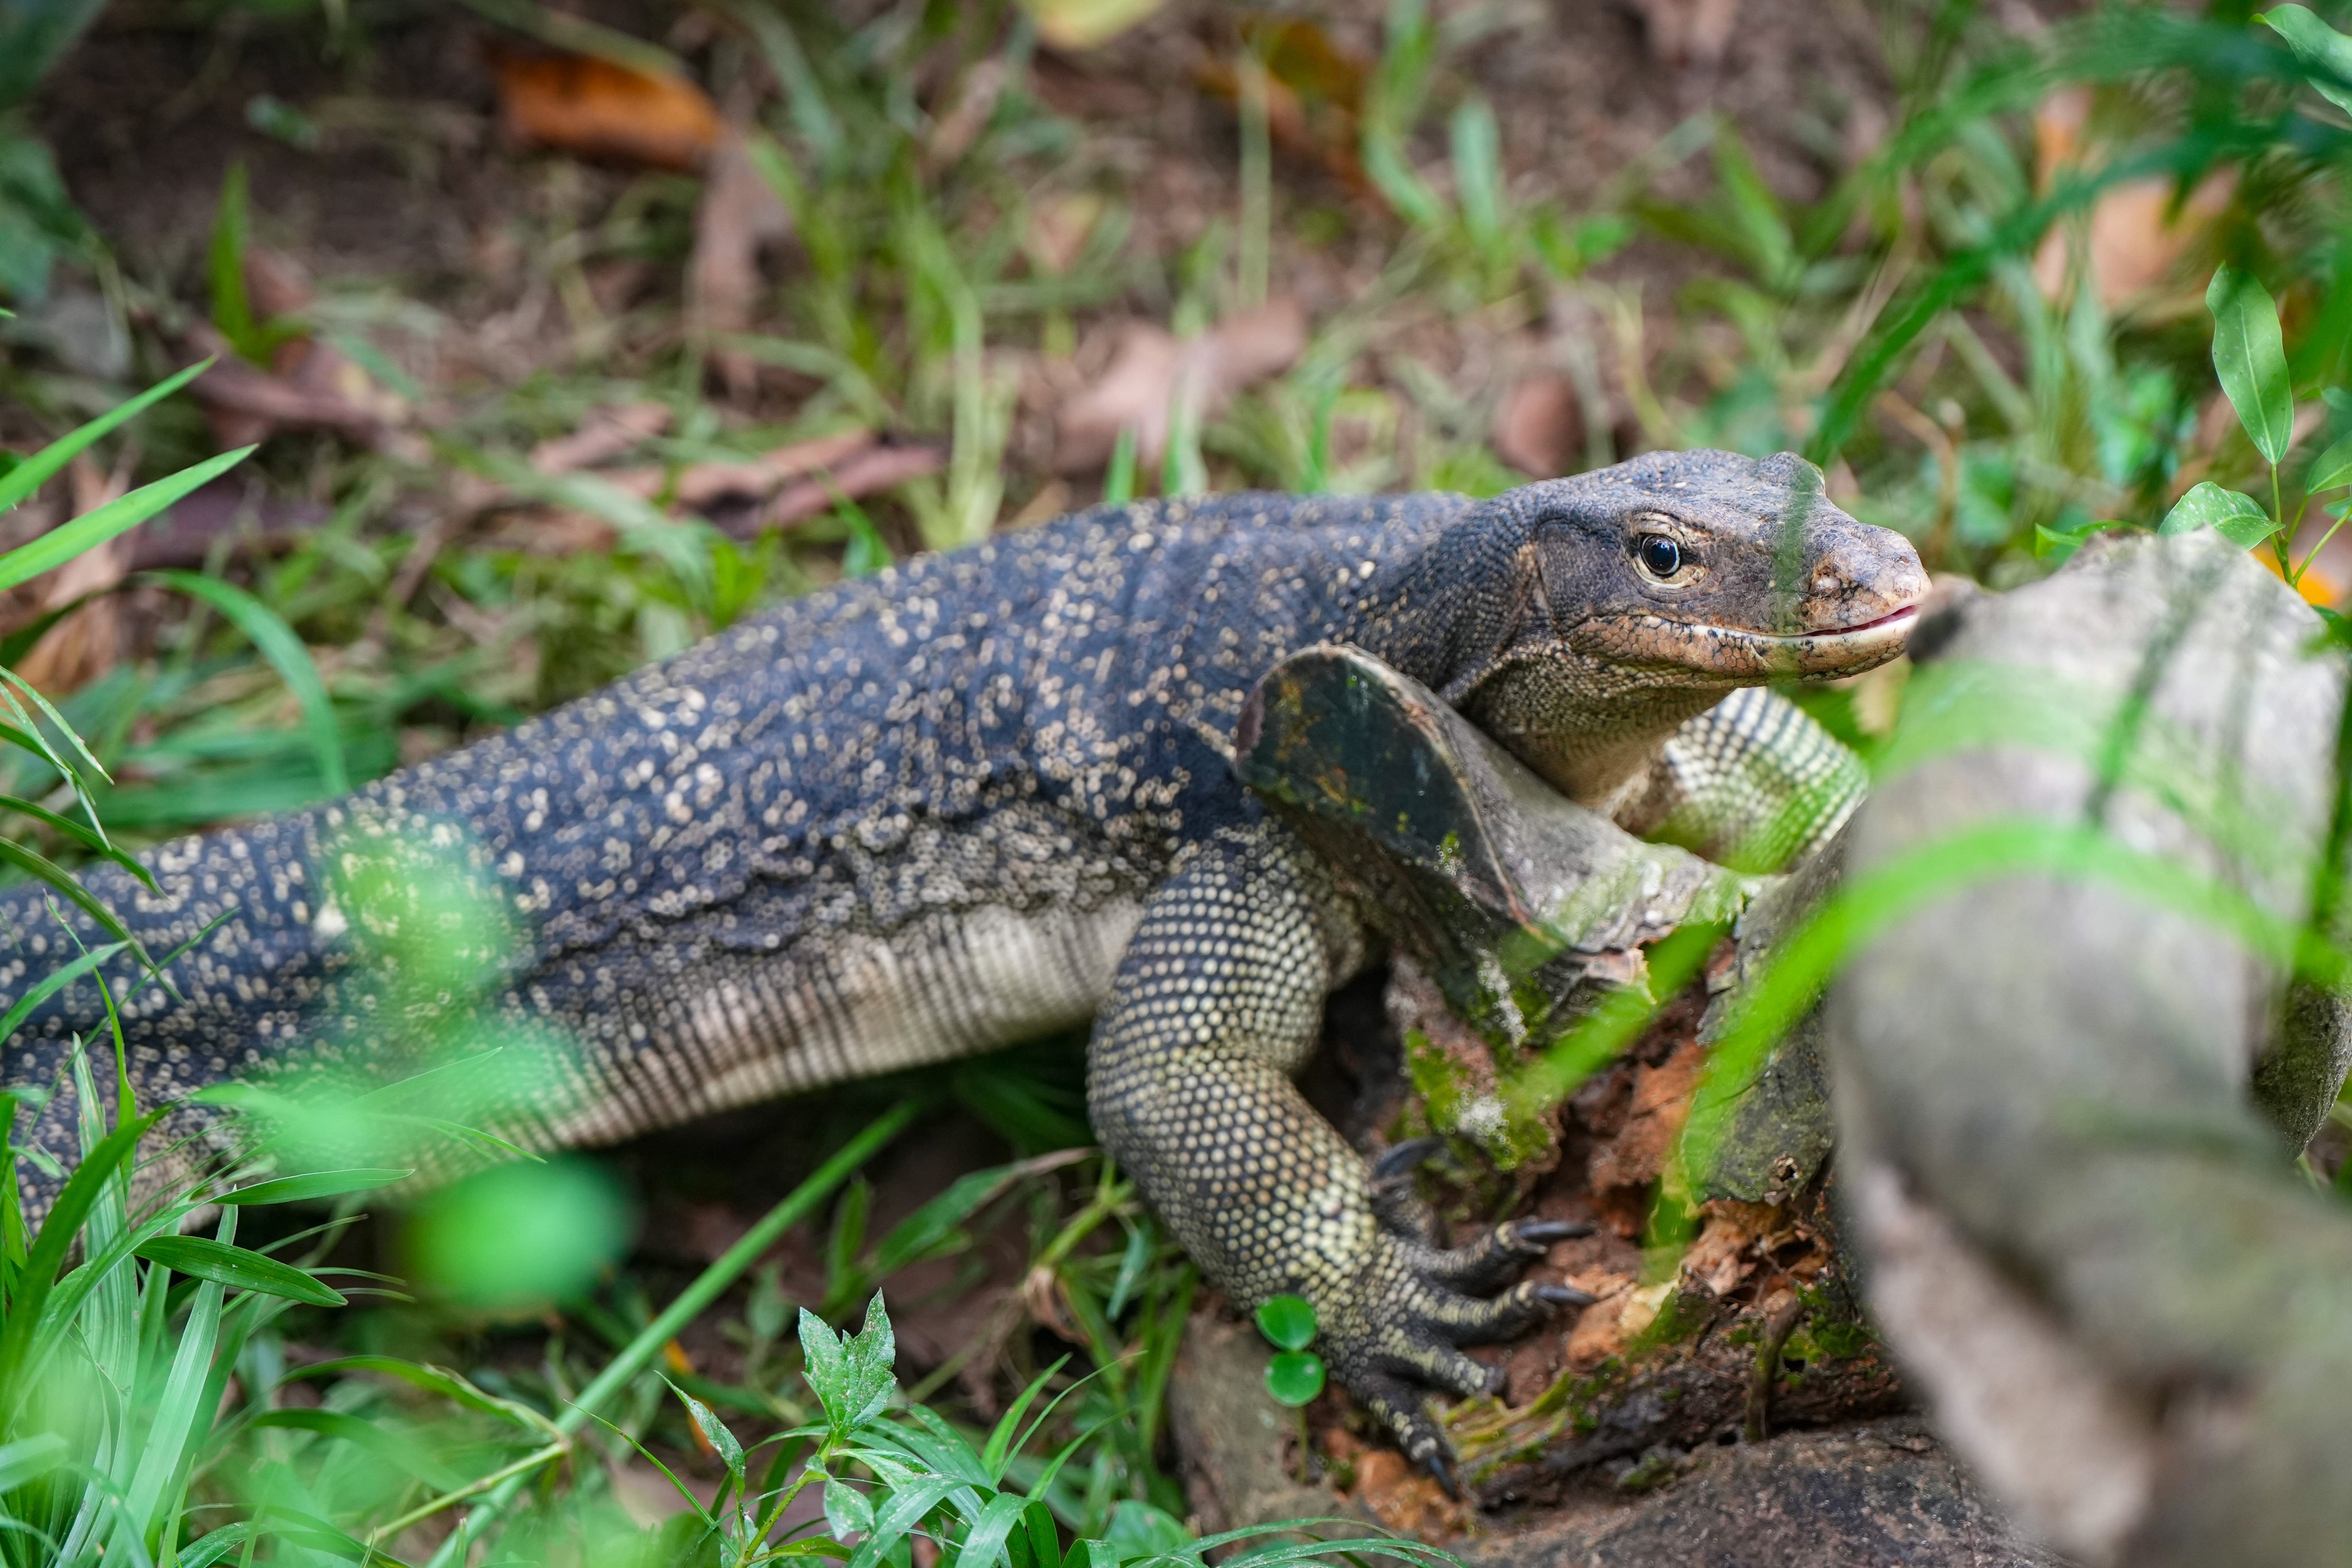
(985,795)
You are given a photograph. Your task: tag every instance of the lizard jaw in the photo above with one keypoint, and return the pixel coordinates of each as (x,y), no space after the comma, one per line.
(1737,655)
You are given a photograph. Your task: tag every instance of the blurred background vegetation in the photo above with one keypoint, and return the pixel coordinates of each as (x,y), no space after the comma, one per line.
(567,334)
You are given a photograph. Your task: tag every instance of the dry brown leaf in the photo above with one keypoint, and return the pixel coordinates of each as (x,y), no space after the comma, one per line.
(1539,426)
(1085,24)
(1689,32)
(84,643)
(1599,1332)
(968,115)
(1315,90)
(1058,230)
(738,213)
(871,471)
(316,389)
(700,484)
(604,435)
(1155,375)
(1661,1095)
(1404,1497)
(2135,234)
(592,108)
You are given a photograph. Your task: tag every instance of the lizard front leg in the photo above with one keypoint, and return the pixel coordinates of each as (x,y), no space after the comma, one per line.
(1216,1002)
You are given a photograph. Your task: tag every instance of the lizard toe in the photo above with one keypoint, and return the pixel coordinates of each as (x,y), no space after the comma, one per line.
(1498,1254)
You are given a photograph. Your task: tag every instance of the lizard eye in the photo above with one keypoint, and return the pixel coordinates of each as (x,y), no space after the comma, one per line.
(1659,556)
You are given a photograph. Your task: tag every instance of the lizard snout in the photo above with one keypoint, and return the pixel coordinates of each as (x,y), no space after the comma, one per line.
(1864,576)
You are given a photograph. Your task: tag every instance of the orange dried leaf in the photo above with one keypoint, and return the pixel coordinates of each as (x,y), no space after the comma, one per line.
(593,108)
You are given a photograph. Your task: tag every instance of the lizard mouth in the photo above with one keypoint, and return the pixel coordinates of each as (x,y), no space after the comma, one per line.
(1738,654)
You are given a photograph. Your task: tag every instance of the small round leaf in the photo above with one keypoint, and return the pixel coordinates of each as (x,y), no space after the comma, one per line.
(1289,1321)
(1294,1378)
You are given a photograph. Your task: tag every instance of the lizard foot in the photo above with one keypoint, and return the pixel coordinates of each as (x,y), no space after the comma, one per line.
(1421,1302)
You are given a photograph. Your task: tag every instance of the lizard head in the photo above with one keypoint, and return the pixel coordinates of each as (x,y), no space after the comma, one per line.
(1645,591)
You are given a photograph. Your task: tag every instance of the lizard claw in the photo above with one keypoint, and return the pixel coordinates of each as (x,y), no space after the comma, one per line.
(1416,1306)
(1402,1159)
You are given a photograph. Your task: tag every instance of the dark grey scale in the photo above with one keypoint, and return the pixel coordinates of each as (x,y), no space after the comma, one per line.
(982,797)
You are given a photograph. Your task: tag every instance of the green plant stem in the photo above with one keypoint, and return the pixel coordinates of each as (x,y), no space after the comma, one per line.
(2296,579)
(2279,541)
(797,1204)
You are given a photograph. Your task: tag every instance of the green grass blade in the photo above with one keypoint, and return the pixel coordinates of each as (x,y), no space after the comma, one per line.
(369,1437)
(269,633)
(59,879)
(984,1546)
(45,465)
(179,1406)
(315,1184)
(61,545)
(58,1232)
(29,1458)
(238,1268)
(87,837)
(54,981)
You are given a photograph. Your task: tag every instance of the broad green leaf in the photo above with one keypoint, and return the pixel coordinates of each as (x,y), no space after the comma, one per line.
(2250,357)
(2332,468)
(2327,52)
(30,473)
(846,1511)
(237,1267)
(315,1185)
(1294,1378)
(268,632)
(730,1450)
(1289,1321)
(2234,515)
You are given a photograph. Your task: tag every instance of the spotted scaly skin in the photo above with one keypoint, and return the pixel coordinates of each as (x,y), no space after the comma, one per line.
(970,800)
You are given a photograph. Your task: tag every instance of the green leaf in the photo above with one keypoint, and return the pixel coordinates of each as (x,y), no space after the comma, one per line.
(232,310)
(30,1458)
(1289,1321)
(1478,170)
(54,981)
(238,1268)
(1045,1540)
(24,478)
(371,1438)
(2327,52)
(866,552)
(1294,1378)
(315,1184)
(268,632)
(2332,468)
(846,1511)
(1118,479)
(984,1546)
(2250,357)
(2234,515)
(62,544)
(730,1451)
